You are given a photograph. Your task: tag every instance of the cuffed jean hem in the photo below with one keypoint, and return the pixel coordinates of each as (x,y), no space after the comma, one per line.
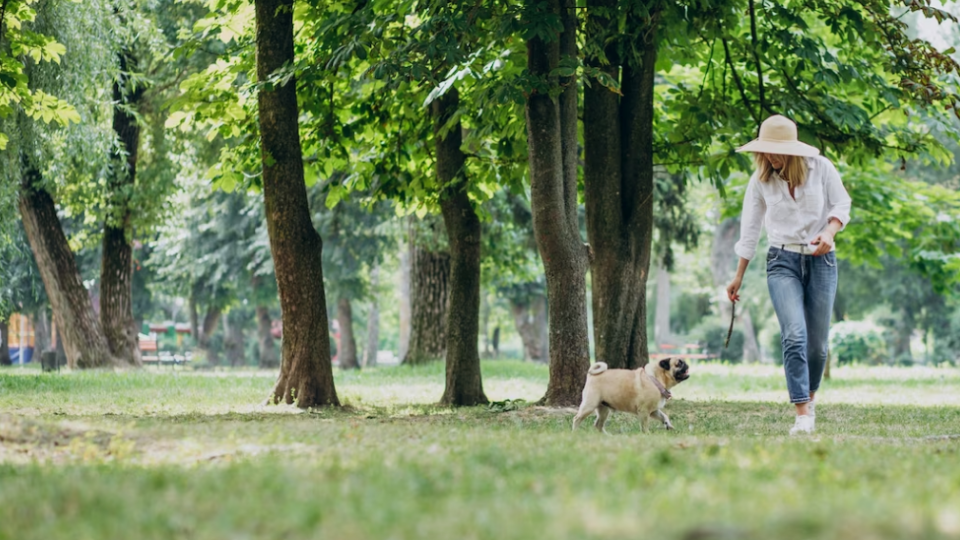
(798,401)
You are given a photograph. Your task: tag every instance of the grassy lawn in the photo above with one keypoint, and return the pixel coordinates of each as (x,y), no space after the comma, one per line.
(181,454)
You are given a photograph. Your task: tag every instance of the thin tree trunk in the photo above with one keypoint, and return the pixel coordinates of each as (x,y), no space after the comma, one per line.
(83,339)
(552,150)
(347,353)
(234,340)
(268,350)
(406,261)
(723,261)
(373,322)
(116,269)
(464,385)
(61,352)
(618,168)
(194,317)
(529,316)
(41,332)
(210,322)
(306,374)
(661,326)
(430,281)
(5,359)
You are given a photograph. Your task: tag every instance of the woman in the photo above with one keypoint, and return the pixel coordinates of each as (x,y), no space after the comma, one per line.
(797,194)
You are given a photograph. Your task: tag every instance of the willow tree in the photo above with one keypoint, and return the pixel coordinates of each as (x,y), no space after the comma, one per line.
(51,144)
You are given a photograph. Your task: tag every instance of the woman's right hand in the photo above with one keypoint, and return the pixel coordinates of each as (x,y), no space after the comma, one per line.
(733,289)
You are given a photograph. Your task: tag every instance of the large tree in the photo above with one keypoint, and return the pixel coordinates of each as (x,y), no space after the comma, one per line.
(552,148)
(306,375)
(618,176)
(463,383)
(116,268)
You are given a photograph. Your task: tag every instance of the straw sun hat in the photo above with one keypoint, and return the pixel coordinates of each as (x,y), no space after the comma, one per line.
(778,135)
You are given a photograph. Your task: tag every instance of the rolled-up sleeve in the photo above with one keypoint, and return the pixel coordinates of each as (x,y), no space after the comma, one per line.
(751,220)
(838,200)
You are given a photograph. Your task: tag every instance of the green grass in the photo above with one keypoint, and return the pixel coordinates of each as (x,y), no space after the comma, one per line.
(161,454)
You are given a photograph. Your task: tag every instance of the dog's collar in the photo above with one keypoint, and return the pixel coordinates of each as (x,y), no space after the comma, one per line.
(663,389)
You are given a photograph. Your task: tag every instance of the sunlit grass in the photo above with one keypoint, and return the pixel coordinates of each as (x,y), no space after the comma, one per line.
(182,454)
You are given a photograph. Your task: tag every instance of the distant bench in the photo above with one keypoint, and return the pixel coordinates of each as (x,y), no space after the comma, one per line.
(148,344)
(693,356)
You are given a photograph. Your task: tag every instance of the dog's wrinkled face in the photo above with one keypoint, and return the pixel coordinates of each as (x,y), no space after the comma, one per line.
(676,368)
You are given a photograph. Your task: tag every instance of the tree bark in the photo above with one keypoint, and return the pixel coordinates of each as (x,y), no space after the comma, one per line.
(347,354)
(552,150)
(406,260)
(5,359)
(373,322)
(464,384)
(430,272)
(83,338)
(268,350)
(306,374)
(618,182)
(116,269)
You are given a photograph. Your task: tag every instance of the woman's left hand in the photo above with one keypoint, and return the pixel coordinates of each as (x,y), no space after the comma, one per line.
(824,243)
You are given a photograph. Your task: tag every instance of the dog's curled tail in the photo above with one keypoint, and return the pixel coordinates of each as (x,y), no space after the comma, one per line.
(597,368)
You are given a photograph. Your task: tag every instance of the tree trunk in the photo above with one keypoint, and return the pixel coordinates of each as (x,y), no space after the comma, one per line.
(194,317)
(210,322)
(723,261)
(347,353)
(234,340)
(5,359)
(116,269)
(903,332)
(406,260)
(661,326)
(306,374)
(41,332)
(618,182)
(430,279)
(373,322)
(268,350)
(464,385)
(529,316)
(61,352)
(552,150)
(83,339)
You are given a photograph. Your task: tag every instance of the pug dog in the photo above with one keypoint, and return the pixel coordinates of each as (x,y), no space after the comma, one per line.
(631,390)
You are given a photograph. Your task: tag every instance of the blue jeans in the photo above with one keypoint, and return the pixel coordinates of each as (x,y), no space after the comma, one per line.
(802,288)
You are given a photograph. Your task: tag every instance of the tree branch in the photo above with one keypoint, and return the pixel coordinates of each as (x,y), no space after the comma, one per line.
(756,57)
(736,79)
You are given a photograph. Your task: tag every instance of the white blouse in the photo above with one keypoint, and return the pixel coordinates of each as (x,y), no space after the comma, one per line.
(790,221)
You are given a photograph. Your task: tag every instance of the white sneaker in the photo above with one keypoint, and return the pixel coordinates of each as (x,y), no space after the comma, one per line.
(804,424)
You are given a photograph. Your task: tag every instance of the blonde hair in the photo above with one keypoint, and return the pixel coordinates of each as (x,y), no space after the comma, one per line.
(794,169)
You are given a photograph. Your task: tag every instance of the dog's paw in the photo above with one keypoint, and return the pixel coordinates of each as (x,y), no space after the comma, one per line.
(668,426)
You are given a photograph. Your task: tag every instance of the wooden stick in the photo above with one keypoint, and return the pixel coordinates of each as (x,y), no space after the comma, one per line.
(733,314)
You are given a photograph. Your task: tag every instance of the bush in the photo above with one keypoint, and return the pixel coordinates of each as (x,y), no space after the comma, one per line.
(858,341)
(711,336)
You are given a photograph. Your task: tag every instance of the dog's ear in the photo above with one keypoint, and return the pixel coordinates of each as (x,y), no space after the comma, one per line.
(665,364)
